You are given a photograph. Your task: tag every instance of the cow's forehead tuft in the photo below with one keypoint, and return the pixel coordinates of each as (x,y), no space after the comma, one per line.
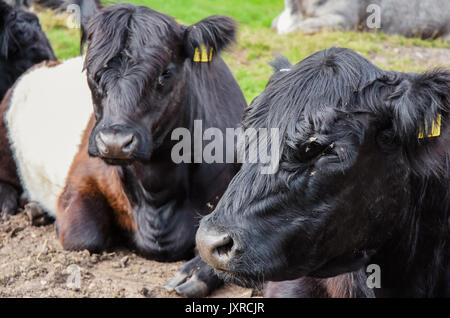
(313,90)
(137,34)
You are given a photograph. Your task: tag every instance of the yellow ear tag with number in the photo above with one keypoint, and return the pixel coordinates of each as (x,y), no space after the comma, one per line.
(435,129)
(201,55)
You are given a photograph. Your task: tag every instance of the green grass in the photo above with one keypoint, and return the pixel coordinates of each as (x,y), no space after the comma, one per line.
(65,41)
(257,44)
(253,13)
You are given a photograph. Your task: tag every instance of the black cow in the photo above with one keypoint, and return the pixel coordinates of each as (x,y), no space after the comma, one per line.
(363,179)
(22,44)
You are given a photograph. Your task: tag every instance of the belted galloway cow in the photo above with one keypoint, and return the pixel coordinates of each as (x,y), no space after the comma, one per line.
(93,148)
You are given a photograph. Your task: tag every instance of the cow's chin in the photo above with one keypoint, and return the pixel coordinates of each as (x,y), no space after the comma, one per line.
(125,162)
(255,278)
(241,279)
(118,162)
(343,264)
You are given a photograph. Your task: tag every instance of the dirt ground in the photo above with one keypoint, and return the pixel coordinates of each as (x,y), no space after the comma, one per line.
(33,264)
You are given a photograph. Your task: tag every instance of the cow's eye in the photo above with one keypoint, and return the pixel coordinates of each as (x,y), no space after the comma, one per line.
(164,77)
(313,149)
(12,16)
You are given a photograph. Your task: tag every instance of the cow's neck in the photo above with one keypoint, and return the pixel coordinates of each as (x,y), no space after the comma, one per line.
(416,261)
(156,182)
(157,193)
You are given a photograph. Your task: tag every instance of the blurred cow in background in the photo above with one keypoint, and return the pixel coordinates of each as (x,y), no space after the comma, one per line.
(26,4)
(22,44)
(425,19)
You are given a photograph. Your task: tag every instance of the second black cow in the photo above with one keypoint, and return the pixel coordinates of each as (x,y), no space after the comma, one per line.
(363,180)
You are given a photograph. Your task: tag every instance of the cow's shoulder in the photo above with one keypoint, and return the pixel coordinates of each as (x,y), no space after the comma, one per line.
(91,176)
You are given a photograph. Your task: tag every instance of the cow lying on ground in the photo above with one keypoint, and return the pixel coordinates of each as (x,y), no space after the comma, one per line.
(22,44)
(363,179)
(103,166)
(426,19)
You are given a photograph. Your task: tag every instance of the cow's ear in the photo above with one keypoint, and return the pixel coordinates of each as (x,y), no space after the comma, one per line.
(418,102)
(204,39)
(419,107)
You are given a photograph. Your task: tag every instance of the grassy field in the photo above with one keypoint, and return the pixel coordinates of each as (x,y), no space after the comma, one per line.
(257,44)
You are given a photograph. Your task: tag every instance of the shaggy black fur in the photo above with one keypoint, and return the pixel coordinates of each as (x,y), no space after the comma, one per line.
(355,185)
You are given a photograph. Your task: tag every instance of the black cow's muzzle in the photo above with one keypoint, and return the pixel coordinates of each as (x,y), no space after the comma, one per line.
(216,247)
(116,144)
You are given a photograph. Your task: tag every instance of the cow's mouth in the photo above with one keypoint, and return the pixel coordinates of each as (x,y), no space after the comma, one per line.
(118,162)
(248,278)
(245,280)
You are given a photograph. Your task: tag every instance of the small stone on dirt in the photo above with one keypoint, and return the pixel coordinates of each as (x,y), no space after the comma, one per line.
(14,231)
(124,261)
(94,258)
(146,292)
(4,217)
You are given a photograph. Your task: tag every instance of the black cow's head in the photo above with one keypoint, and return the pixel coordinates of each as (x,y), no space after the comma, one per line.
(22,44)
(136,62)
(350,142)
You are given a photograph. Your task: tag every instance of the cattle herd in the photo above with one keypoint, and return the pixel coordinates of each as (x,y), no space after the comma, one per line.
(363,164)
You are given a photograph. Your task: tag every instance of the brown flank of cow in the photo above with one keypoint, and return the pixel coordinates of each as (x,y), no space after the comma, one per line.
(91,179)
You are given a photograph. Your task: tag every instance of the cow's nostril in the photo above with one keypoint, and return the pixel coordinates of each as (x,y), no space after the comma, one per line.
(226,248)
(116,144)
(216,248)
(101,146)
(129,144)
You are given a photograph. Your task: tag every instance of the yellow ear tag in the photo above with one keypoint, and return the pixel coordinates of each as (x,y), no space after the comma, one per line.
(201,55)
(435,129)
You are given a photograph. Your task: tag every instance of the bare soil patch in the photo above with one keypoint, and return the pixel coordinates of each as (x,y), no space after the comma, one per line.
(33,264)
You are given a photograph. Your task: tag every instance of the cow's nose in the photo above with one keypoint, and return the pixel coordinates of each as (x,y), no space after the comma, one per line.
(215,247)
(116,144)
